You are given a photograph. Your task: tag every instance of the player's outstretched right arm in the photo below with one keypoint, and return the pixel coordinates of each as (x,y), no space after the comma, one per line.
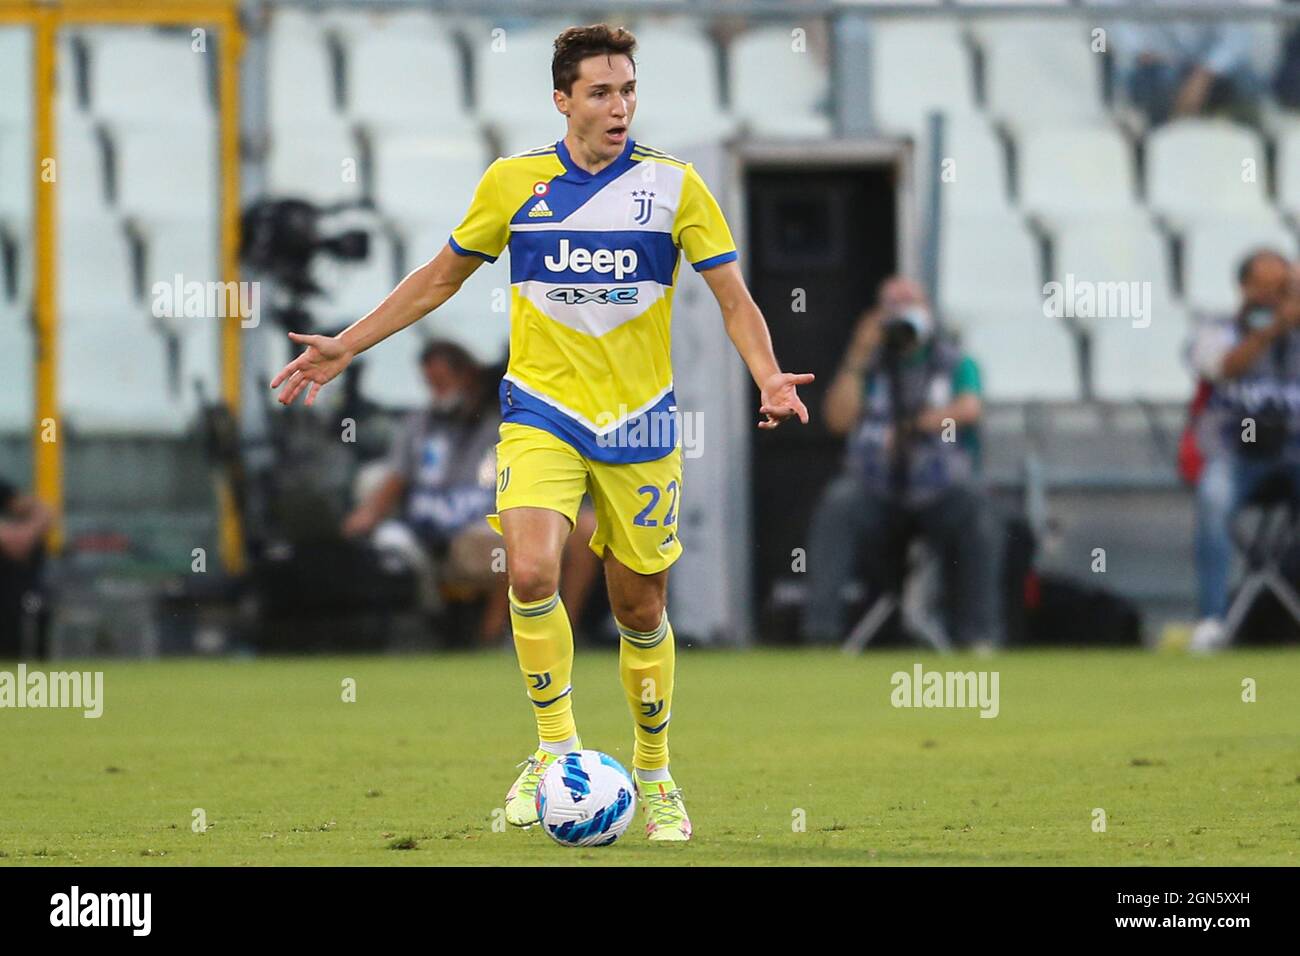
(415,297)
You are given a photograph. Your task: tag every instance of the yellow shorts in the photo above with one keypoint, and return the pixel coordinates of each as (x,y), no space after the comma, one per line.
(636,504)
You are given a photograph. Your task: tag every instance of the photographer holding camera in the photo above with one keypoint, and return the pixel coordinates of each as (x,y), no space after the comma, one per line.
(908,398)
(1249,432)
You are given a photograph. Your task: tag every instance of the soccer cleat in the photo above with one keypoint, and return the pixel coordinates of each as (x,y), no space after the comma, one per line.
(521,798)
(665,811)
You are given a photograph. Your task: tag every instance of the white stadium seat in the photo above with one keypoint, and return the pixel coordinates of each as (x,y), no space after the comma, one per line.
(775,89)
(319,163)
(1145,362)
(113,371)
(1023,354)
(478,316)
(114,376)
(975,181)
(80,165)
(94,265)
(1127,249)
(677,64)
(165,176)
(16,178)
(918,67)
(141,77)
(189,249)
(427,180)
(407,79)
(390,372)
(15,76)
(1039,72)
(513,90)
(986,257)
(300,74)
(1201,170)
(1213,250)
(1075,172)
(1288,170)
(17,360)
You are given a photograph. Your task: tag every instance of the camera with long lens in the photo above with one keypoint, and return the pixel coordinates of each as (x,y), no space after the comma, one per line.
(904,328)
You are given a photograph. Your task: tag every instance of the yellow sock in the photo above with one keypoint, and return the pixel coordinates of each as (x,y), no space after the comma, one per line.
(645,663)
(544,645)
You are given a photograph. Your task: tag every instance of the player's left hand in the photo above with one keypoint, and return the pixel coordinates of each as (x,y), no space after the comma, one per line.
(780,400)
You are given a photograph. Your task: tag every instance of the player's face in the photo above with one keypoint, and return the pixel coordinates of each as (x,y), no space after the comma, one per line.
(601,105)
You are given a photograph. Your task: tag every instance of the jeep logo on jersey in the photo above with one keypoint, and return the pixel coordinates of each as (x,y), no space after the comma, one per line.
(621,262)
(623,296)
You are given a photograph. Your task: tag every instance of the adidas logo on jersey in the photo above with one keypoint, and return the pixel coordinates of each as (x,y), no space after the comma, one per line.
(540,210)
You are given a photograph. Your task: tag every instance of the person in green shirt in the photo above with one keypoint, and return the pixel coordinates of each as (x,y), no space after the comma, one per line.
(909,400)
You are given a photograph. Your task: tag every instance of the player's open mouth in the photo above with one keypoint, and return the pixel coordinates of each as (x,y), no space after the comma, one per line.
(617,133)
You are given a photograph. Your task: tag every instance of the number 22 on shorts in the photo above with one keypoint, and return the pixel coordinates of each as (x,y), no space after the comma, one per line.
(643,518)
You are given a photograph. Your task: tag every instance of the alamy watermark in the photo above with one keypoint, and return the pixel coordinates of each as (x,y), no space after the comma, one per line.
(208,300)
(79,690)
(1085,299)
(655,429)
(922,688)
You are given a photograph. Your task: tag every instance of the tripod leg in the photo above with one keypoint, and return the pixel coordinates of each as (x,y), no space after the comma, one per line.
(870,625)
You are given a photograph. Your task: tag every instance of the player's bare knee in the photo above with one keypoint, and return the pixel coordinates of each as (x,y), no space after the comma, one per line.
(533,578)
(641,614)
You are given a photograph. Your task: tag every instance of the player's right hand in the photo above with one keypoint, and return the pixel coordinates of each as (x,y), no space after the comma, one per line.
(324,358)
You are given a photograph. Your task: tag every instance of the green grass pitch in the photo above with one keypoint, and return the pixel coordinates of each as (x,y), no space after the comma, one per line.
(285,772)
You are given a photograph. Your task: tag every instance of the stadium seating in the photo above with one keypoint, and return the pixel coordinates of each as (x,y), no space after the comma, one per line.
(421,181)
(1142,362)
(518,109)
(1212,251)
(985,257)
(390,373)
(678,64)
(300,73)
(1126,249)
(1000,334)
(1199,170)
(1039,72)
(976,180)
(1072,172)
(918,67)
(114,373)
(188,249)
(411,55)
(125,66)
(16,364)
(776,89)
(319,162)
(1288,170)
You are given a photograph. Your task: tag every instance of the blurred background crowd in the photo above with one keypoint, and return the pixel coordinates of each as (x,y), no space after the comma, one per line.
(1048,261)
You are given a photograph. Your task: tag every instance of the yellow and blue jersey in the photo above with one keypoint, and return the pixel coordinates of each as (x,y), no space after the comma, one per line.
(593,262)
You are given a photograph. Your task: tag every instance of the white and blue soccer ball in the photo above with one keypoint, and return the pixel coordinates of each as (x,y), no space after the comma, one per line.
(586,798)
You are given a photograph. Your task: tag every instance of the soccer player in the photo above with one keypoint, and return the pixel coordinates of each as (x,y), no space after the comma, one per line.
(596,224)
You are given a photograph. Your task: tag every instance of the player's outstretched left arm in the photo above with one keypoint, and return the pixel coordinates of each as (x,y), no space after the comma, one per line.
(778,397)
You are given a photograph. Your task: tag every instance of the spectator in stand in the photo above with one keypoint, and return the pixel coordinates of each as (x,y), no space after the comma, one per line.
(1175,68)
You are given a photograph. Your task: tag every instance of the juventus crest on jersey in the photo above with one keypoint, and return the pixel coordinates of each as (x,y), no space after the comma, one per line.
(593,262)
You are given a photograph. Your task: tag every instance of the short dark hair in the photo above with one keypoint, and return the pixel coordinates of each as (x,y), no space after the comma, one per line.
(456,357)
(577,43)
(1247,265)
